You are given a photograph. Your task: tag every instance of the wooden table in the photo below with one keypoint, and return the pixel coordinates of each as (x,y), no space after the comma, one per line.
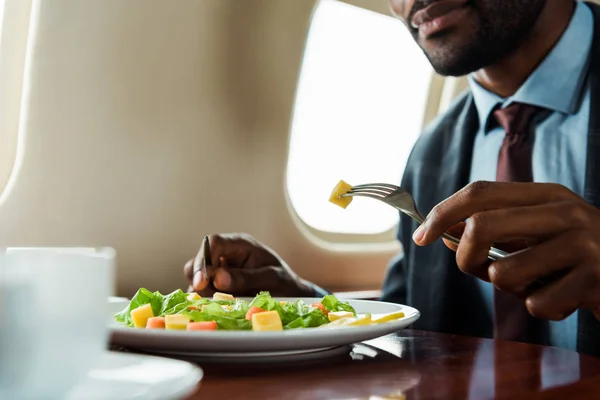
(416,365)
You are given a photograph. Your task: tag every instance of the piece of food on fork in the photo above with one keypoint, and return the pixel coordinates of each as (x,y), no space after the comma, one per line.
(397,197)
(336,195)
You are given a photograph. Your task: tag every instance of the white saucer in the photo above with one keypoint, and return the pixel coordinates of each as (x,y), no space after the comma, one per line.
(124,376)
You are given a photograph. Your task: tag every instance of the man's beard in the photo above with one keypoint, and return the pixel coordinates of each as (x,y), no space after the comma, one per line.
(499,28)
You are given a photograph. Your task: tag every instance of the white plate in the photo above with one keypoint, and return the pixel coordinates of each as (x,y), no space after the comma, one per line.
(254,342)
(132,376)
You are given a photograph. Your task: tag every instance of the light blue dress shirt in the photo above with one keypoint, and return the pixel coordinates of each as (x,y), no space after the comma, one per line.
(559,85)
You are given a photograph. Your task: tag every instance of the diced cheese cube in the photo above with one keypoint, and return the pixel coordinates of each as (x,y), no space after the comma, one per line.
(266,321)
(335,315)
(388,317)
(336,195)
(141,314)
(176,322)
(193,296)
(226,308)
(222,296)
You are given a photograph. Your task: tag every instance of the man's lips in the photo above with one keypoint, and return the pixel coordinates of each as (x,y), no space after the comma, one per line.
(436,10)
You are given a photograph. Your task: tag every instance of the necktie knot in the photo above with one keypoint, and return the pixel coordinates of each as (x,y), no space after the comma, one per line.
(516,118)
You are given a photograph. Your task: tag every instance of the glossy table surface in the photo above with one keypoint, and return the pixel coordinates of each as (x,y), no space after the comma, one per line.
(414,365)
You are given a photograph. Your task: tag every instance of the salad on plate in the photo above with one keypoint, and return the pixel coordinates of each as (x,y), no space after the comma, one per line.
(190,312)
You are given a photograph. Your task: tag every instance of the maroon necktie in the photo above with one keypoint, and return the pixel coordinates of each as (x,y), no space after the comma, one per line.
(511,319)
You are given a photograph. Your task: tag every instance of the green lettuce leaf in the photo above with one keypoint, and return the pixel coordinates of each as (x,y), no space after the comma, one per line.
(172,303)
(331,303)
(233,319)
(266,302)
(176,309)
(312,319)
(287,312)
(143,296)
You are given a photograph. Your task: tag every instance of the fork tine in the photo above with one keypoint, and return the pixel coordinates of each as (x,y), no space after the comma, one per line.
(378,185)
(364,194)
(382,192)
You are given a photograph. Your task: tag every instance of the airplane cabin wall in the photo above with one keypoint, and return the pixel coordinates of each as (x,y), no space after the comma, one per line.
(148,124)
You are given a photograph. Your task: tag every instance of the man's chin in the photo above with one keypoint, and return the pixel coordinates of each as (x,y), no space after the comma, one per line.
(453,61)
(451,53)
(455,70)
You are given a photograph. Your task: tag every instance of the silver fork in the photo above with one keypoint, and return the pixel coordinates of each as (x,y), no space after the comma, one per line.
(401,200)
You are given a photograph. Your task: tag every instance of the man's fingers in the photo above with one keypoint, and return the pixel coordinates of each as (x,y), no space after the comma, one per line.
(485,229)
(207,292)
(230,254)
(517,272)
(248,281)
(201,282)
(559,299)
(188,270)
(223,280)
(511,230)
(485,196)
(197,275)
(456,231)
(481,272)
(221,247)
(237,249)
(510,247)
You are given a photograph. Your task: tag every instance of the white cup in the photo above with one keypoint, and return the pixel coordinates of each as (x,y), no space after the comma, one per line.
(52,318)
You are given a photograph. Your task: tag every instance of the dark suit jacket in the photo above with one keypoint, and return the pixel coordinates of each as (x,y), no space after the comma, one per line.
(439,165)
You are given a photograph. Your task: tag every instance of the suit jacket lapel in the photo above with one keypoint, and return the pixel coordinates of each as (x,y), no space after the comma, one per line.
(454,150)
(456,175)
(459,151)
(592,176)
(588,340)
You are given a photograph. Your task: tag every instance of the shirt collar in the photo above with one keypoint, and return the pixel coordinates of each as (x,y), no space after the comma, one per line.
(557,82)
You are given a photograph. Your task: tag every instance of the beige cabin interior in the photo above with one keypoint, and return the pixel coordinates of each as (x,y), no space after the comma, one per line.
(146,124)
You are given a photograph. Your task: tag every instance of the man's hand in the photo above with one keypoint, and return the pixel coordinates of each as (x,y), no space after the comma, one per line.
(557,232)
(243,267)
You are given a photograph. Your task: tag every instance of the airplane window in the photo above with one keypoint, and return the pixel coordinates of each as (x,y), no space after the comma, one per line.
(359,108)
